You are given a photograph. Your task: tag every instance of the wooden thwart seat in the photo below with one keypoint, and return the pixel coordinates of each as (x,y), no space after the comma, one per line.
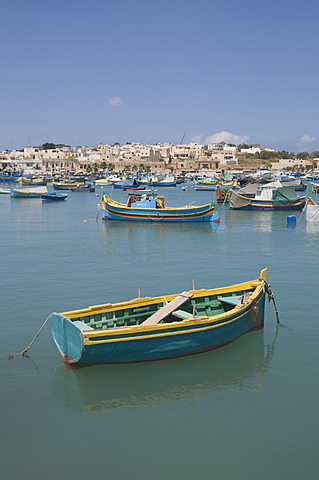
(182,314)
(82,326)
(168,309)
(233,301)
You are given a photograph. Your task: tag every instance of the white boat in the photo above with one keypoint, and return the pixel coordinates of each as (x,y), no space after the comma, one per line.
(5,190)
(103,182)
(34,192)
(312,211)
(141,192)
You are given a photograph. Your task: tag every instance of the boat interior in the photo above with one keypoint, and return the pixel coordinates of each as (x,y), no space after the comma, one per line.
(139,311)
(145,201)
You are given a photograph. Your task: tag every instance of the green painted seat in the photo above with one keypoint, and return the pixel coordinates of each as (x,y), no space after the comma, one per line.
(182,314)
(233,300)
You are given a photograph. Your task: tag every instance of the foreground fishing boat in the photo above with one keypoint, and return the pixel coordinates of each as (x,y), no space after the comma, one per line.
(153,209)
(157,328)
(282,198)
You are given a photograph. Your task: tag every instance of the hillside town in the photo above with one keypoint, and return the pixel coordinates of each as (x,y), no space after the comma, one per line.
(163,158)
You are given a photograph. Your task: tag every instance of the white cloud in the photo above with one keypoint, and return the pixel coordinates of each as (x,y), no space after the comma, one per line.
(226,137)
(197,139)
(306,139)
(115,101)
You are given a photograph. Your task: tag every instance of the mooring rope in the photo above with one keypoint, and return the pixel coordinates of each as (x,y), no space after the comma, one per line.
(24,352)
(271,297)
(226,197)
(303,210)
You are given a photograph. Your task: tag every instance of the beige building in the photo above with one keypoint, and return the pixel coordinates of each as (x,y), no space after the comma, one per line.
(165,158)
(295,163)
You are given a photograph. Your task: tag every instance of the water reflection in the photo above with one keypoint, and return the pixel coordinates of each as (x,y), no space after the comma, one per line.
(101,388)
(130,237)
(312,228)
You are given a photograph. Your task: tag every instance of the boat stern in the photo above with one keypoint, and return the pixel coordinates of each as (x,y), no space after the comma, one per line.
(67,337)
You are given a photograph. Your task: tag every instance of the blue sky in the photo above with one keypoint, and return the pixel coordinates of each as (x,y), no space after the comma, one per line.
(82,72)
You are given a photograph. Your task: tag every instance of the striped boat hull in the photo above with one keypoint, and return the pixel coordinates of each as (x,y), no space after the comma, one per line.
(117,211)
(267,205)
(78,342)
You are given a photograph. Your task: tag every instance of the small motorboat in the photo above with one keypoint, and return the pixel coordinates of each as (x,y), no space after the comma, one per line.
(54,196)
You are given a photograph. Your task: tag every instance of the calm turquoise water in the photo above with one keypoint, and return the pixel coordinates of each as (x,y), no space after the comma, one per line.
(246,411)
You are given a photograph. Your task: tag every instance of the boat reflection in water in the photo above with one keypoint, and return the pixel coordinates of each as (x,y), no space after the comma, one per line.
(101,388)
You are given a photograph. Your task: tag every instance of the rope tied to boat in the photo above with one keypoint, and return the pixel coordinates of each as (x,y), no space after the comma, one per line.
(24,352)
(271,297)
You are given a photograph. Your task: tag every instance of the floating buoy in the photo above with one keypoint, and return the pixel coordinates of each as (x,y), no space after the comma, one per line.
(291,220)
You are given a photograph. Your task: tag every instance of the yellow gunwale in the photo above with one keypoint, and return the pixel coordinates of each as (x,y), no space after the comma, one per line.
(258,285)
(122,205)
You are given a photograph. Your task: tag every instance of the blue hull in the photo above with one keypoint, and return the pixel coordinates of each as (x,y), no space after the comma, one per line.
(118,211)
(8,179)
(54,197)
(158,218)
(70,343)
(147,329)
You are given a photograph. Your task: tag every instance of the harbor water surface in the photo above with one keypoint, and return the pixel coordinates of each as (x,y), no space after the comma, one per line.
(245,411)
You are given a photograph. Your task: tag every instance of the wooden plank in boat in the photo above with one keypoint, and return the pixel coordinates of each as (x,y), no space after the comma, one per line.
(168,308)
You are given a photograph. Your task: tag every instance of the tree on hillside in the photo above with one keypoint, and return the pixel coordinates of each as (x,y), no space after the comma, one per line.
(266,155)
(303,155)
(47,146)
(284,154)
(243,145)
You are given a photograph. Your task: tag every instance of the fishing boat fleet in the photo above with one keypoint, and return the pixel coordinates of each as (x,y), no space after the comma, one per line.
(174,325)
(46,193)
(144,203)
